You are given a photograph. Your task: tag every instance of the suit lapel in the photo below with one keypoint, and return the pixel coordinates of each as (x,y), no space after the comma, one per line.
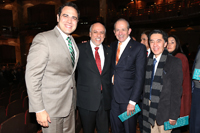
(77,53)
(106,54)
(91,58)
(61,41)
(114,50)
(126,51)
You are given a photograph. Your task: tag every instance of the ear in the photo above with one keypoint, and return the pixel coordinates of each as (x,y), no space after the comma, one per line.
(58,18)
(114,31)
(90,34)
(165,45)
(129,31)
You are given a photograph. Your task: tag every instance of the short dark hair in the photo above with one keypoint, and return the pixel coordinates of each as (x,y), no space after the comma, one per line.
(71,5)
(178,48)
(157,31)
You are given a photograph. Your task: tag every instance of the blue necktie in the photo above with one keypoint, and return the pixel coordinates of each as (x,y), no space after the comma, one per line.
(152,76)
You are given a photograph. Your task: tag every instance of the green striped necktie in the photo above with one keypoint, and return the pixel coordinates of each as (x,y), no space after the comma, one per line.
(71,50)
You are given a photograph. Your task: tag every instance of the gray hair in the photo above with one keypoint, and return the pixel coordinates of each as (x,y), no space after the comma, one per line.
(122,19)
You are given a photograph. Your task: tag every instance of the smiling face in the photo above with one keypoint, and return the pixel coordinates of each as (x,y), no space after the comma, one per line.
(157,44)
(68,19)
(144,40)
(97,33)
(121,30)
(171,46)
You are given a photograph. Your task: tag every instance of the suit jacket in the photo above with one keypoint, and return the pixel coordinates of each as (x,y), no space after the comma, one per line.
(129,73)
(170,97)
(89,80)
(49,74)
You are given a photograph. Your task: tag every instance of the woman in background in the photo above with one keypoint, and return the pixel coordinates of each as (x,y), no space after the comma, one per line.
(174,48)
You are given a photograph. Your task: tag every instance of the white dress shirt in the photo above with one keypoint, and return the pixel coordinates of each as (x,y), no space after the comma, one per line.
(156,65)
(100,51)
(149,51)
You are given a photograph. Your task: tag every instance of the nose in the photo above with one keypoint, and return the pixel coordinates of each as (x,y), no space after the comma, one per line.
(69,20)
(98,34)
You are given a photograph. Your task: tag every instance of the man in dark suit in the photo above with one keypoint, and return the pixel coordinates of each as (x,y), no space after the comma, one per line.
(163,86)
(94,81)
(128,70)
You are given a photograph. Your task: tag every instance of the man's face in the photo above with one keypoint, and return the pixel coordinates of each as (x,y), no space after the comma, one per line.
(68,19)
(144,40)
(97,34)
(157,44)
(121,30)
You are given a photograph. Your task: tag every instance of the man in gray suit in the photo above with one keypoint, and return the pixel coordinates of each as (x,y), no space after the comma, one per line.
(50,73)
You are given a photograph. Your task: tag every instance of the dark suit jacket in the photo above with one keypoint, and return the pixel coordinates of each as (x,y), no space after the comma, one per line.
(89,80)
(129,72)
(170,97)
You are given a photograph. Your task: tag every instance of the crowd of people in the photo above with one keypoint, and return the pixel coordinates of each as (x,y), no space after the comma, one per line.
(104,82)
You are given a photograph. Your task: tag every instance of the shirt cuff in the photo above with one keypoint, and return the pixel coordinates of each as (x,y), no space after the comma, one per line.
(132,102)
(40,111)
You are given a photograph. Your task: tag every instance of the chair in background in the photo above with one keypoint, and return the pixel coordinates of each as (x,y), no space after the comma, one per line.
(14,124)
(31,124)
(24,94)
(14,108)
(25,103)
(5,94)
(4,101)
(2,114)
(14,91)
(14,97)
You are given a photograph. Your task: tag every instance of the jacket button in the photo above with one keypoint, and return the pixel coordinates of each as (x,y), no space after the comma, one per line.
(71,87)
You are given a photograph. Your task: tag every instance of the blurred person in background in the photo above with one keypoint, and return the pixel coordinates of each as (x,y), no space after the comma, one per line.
(144,40)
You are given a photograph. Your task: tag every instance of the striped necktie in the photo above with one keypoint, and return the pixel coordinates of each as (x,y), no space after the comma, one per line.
(71,50)
(152,76)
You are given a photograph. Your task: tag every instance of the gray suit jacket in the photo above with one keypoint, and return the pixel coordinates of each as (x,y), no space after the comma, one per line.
(50,76)
(170,97)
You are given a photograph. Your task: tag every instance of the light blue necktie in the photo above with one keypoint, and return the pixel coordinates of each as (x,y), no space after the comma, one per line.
(152,76)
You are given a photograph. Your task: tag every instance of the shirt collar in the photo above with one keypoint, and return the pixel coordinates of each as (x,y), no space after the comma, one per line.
(62,33)
(158,58)
(93,46)
(126,41)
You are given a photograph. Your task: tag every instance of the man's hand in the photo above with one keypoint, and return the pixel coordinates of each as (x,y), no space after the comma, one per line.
(43,118)
(172,122)
(130,109)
